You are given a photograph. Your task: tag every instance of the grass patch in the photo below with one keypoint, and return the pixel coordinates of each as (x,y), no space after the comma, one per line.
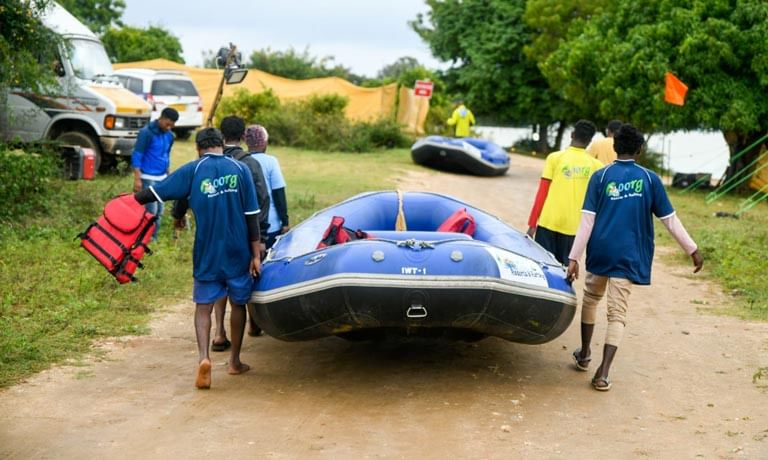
(317,180)
(733,249)
(55,299)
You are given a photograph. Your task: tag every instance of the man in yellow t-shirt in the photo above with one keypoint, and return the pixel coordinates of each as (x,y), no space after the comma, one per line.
(462,118)
(556,211)
(602,149)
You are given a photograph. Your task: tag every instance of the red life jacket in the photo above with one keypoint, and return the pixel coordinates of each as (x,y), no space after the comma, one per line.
(118,240)
(336,233)
(459,222)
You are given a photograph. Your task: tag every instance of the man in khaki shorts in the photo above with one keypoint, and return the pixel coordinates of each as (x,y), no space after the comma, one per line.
(616,229)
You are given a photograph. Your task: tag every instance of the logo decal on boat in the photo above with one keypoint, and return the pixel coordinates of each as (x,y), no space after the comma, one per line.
(413,270)
(513,267)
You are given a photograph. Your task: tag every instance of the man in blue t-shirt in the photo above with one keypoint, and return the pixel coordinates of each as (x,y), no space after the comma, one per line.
(226,253)
(617,230)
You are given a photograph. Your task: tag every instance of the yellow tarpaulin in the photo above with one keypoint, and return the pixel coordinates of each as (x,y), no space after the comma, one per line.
(364,103)
(412,111)
(759,180)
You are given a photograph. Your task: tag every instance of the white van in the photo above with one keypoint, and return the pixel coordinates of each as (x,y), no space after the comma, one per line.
(88,107)
(166,88)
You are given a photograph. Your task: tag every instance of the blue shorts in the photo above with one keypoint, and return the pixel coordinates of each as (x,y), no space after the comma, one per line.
(238,289)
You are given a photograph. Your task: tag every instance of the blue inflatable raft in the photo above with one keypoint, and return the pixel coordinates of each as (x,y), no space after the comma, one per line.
(480,278)
(476,156)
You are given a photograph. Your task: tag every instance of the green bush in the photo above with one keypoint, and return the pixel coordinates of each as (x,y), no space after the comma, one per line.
(381,133)
(252,107)
(26,181)
(317,123)
(327,104)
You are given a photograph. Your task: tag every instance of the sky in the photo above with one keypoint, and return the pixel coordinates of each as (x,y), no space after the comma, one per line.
(363,35)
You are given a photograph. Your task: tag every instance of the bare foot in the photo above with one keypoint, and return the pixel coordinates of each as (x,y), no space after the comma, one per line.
(203,381)
(238,369)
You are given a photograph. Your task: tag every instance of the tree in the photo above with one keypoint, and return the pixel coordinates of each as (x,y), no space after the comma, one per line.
(553,21)
(299,66)
(405,71)
(615,67)
(26,54)
(98,15)
(485,40)
(209,59)
(399,67)
(136,44)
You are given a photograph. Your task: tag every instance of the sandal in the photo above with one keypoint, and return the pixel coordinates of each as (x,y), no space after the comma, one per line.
(582,364)
(223,346)
(601,383)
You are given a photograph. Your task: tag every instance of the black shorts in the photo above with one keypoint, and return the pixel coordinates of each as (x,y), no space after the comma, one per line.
(557,243)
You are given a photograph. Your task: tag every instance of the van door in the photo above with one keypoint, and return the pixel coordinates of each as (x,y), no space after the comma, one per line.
(26,118)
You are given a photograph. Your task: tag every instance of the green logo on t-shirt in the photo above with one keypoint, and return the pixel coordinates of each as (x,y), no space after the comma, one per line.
(576,171)
(631,188)
(213,186)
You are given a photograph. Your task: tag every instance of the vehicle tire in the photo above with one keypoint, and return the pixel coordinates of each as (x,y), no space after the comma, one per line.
(182,134)
(83,140)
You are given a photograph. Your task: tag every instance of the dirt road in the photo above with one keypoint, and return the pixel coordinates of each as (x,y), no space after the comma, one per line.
(682,385)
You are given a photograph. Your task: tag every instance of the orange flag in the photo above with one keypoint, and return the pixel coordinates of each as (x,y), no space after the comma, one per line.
(674,89)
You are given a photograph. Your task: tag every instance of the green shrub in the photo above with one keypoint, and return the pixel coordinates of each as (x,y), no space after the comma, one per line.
(381,133)
(436,120)
(317,123)
(26,181)
(252,107)
(284,126)
(327,104)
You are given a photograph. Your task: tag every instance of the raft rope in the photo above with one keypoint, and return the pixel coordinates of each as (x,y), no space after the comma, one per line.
(400,221)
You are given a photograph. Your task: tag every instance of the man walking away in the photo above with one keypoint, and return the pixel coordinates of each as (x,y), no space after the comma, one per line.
(602,149)
(226,254)
(257,138)
(555,213)
(616,229)
(233,130)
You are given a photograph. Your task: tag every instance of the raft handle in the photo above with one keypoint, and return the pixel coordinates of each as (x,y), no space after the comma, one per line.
(416,311)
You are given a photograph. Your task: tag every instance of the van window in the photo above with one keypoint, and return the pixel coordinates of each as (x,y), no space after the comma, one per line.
(173,88)
(135,85)
(131,84)
(88,59)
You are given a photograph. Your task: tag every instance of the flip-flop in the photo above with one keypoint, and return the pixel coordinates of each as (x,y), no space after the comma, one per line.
(601,383)
(577,361)
(224,346)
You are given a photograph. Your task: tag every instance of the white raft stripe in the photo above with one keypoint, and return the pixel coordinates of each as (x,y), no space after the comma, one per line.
(413,282)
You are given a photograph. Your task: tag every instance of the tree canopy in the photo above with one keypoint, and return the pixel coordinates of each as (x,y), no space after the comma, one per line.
(136,44)
(400,66)
(615,66)
(539,61)
(485,41)
(299,65)
(26,54)
(98,15)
